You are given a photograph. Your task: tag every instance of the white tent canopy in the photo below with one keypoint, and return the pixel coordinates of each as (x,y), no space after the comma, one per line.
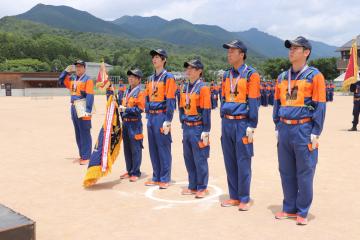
(340,78)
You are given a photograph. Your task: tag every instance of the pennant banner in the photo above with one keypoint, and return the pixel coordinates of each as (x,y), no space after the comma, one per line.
(107,147)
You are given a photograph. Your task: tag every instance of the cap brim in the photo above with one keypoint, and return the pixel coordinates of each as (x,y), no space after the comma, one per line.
(186,64)
(227,46)
(154,52)
(132,73)
(289,43)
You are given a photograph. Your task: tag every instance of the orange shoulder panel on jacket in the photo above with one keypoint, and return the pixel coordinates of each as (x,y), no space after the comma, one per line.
(141,100)
(319,88)
(205,98)
(254,86)
(223,87)
(89,86)
(170,88)
(181,102)
(277,91)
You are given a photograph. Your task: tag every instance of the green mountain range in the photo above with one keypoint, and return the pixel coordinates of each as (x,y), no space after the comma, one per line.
(24,43)
(48,38)
(177,31)
(71,19)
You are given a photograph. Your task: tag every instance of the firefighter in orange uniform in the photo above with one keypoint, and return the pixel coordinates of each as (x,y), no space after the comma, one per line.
(214,89)
(331,91)
(270,92)
(299,114)
(160,106)
(195,117)
(239,113)
(133,104)
(177,93)
(263,100)
(81,87)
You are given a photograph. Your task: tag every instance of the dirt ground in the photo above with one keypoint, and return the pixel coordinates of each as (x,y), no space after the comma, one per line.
(40,179)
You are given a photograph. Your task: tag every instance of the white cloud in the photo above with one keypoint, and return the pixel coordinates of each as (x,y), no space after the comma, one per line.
(333,22)
(177,9)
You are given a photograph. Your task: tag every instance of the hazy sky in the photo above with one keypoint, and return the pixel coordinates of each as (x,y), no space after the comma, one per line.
(329,21)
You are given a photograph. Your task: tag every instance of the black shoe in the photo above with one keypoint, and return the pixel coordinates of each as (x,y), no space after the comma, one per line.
(352,129)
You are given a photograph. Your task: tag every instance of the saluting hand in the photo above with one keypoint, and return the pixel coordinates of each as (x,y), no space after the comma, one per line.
(70,68)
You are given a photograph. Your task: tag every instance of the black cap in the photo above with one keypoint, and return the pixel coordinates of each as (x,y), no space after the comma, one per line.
(136,72)
(236,44)
(80,62)
(195,63)
(299,41)
(159,51)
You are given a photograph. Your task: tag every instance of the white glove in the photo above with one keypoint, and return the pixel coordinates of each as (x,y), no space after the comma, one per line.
(70,68)
(277,135)
(314,140)
(87,114)
(250,134)
(205,138)
(166,127)
(122,108)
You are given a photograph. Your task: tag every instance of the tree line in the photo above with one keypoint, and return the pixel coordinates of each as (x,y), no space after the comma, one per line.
(46,51)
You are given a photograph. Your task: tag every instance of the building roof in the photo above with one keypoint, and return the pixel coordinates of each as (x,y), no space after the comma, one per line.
(348,44)
(96,64)
(31,76)
(31,73)
(92,69)
(39,79)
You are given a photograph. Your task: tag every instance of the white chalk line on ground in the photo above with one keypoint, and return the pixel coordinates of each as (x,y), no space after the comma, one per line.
(150,194)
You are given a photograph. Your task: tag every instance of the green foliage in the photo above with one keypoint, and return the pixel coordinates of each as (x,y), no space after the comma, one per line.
(271,68)
(327,67)
(56,51)
(24,65)
(56,48)
(177,31)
